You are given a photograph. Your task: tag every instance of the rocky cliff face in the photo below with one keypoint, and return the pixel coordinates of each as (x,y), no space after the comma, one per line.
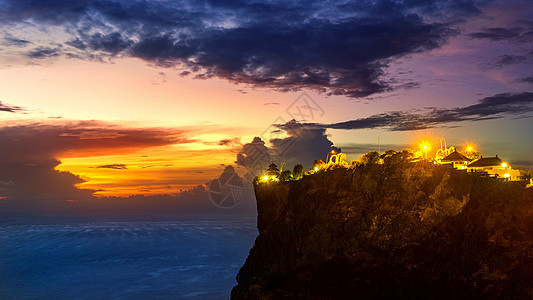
(397,230)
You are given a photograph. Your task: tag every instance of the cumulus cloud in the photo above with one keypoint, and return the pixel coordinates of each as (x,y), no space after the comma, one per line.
(494,107)
(338,47)
(303,144)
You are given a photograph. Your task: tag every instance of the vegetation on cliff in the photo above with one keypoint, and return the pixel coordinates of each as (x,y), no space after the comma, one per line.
(396,229)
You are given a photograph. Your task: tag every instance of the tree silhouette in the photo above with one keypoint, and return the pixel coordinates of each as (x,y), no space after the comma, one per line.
(298,172)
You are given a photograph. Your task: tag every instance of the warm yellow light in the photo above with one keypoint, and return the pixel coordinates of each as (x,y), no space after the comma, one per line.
(506,175)
(469,147)
(316,169)
(265,178)
(332,151)
(504,165)
(425,146)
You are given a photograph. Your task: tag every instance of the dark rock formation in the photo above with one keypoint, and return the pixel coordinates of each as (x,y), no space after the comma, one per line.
(396,230)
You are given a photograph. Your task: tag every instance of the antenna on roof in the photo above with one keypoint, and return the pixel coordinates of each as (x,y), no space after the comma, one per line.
(379,146)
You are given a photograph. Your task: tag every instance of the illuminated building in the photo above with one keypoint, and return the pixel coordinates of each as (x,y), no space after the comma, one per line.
(456,160)
(494,167)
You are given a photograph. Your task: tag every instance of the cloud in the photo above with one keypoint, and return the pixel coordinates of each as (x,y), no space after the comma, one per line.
(28,156)
(10,108)
(506,60)
(254,156)
(516,34)
(303,144)
(12,41)
(113,166)
(528,79)
(112,43)
(494,107)
(338,47)
(230,142)
(43,52)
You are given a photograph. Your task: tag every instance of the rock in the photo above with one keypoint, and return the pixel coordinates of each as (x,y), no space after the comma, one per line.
(392,230)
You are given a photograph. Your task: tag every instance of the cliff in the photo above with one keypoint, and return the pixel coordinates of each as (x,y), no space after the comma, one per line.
(396,230)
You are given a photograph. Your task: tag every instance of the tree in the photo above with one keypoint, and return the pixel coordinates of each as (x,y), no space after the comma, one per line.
(298,172)
(286,176)
(372,157)
(390,153)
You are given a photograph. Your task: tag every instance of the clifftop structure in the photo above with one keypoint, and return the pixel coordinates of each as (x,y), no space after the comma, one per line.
(469,160)
(494,167)
(456,159)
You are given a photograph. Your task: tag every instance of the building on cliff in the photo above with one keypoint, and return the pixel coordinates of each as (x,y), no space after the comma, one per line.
(456,160)
(494,167)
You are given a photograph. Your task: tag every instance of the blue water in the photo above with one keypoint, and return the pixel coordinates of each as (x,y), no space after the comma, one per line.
(173,259)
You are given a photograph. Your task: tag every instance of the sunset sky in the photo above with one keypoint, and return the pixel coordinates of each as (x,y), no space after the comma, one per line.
(152,97)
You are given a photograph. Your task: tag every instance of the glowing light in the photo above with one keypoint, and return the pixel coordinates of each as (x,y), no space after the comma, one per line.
(316,169)
(504,165)
(425,147)
(506,175)
(332,151)
(470,150)
(265,178)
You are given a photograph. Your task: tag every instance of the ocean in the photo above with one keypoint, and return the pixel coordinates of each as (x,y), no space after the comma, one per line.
(182,258)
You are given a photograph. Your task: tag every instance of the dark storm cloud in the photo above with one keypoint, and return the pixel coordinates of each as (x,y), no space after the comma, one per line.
(28,155)
(10,108)
(113,166)
(488,108)
(336,47)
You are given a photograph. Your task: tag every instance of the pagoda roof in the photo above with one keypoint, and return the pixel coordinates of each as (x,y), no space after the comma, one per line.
(455,156)
(486,162)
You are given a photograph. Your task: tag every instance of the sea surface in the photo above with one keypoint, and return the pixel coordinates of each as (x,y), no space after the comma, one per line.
(181,258)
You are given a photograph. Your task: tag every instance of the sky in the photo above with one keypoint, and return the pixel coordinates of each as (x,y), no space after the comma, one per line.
(122,99)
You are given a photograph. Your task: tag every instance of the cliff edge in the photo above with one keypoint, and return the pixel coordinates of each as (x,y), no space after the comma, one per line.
(392,230)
